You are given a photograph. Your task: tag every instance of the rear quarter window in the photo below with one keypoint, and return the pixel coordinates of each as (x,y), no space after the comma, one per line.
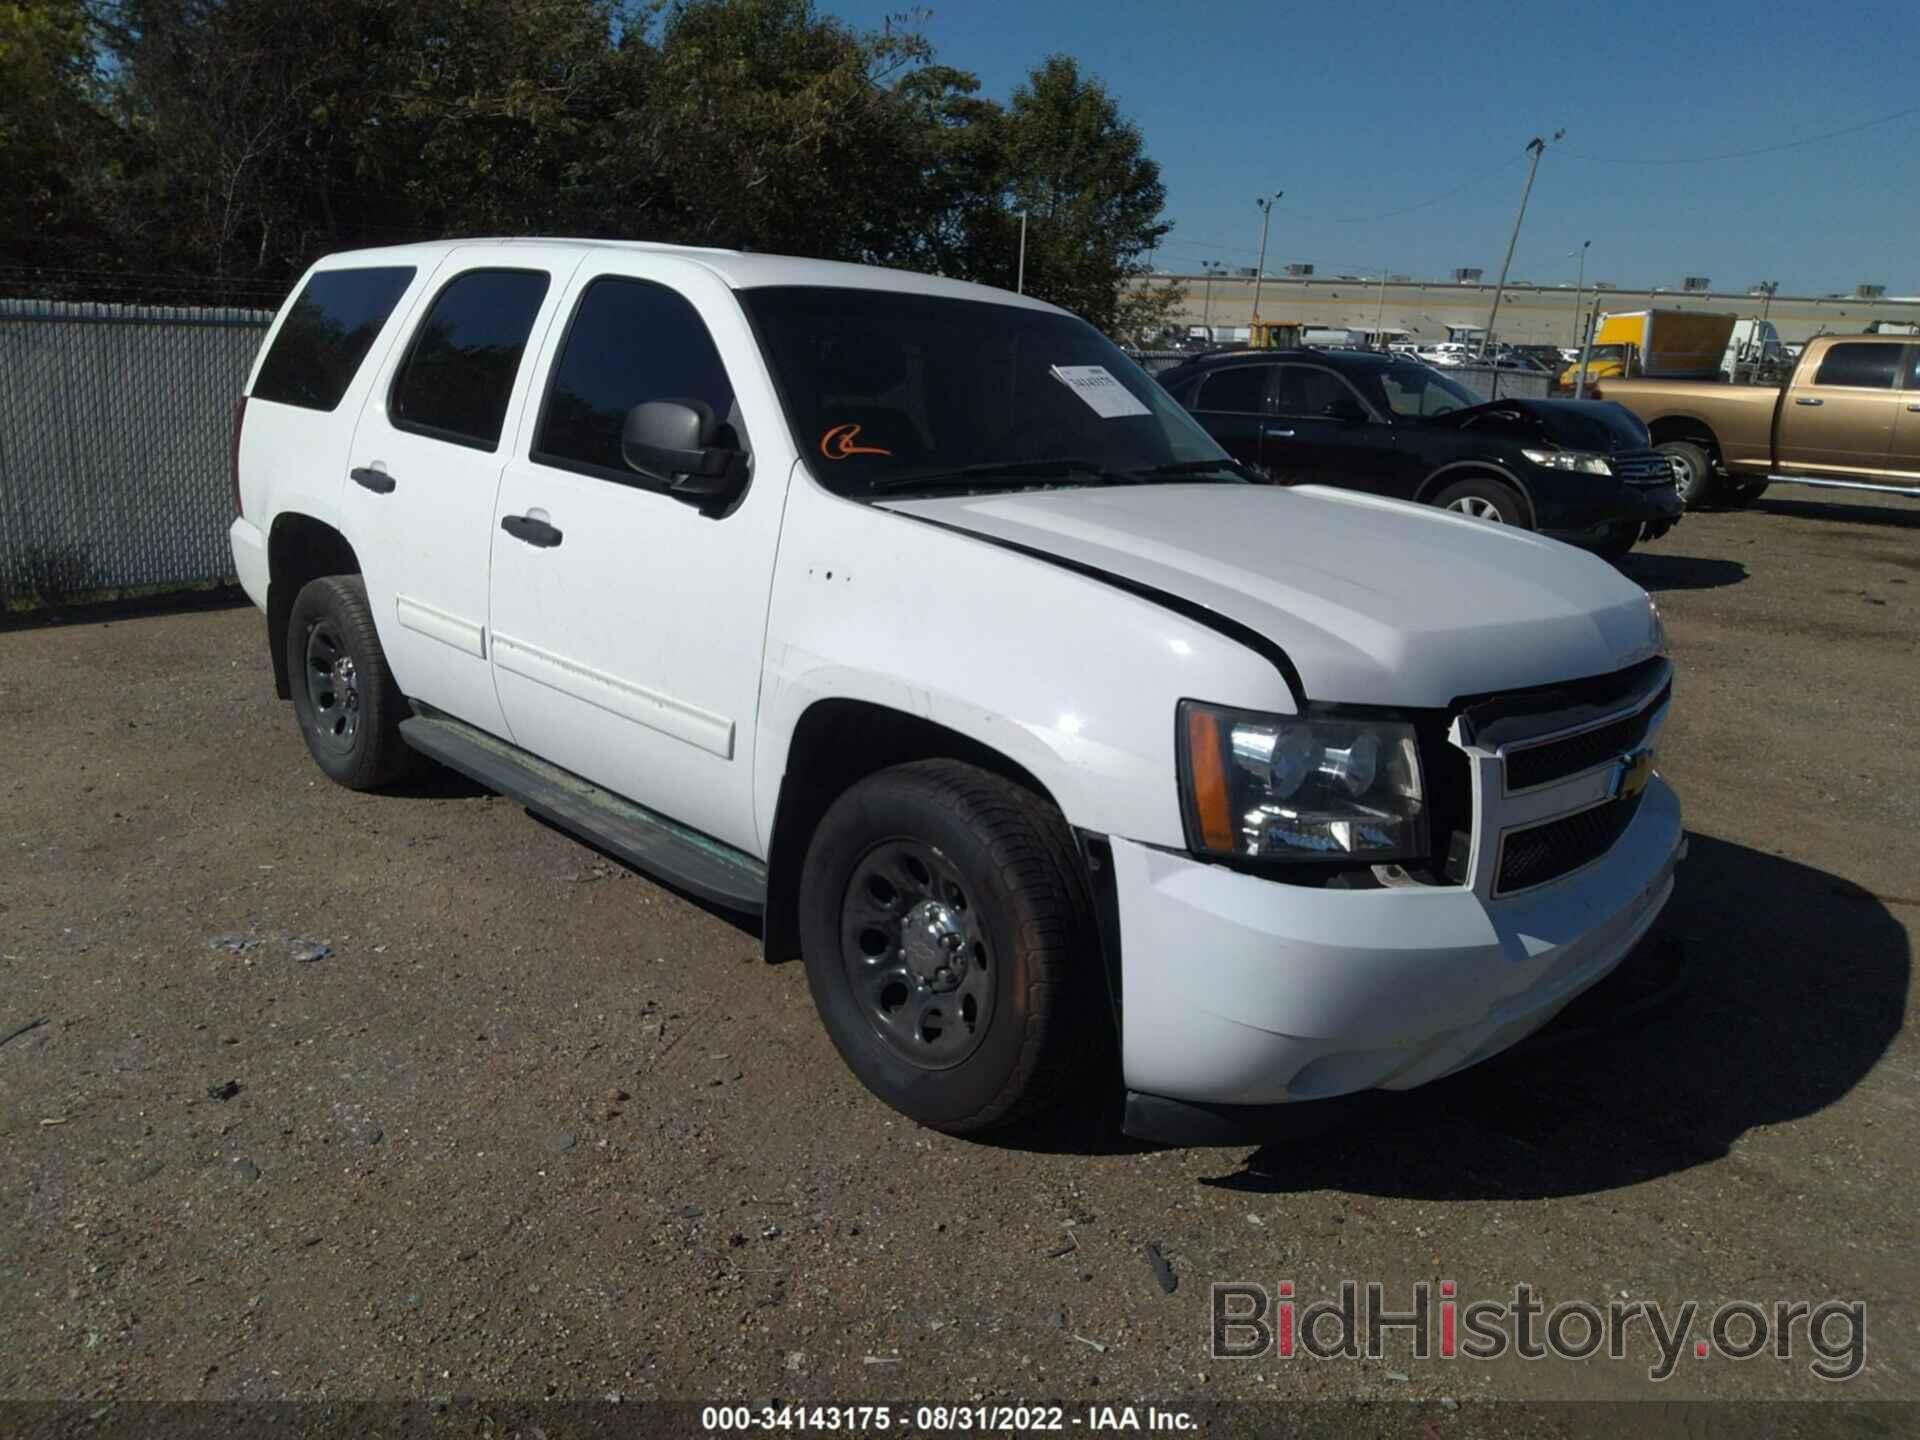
(327,333)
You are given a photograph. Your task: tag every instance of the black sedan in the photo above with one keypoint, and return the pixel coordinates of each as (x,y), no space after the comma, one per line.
(1581,471)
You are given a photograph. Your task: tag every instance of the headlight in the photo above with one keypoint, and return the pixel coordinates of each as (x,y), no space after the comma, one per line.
(1578,461)
(1658,625)
(1294,788)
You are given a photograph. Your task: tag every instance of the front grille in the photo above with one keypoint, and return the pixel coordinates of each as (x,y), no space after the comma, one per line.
(1557,759)
(1546,852)
(1642,467)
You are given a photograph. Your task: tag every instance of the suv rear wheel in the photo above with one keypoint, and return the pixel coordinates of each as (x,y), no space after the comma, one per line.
(348,705)
(950,946)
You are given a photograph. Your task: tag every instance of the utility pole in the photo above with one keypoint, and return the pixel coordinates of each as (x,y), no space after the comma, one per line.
(1020,280)
(1211,267)
(1380,312)
(1260,271)
(1536,147)
(1578,286)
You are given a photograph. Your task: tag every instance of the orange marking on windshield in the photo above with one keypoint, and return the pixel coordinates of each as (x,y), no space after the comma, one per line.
(838,443)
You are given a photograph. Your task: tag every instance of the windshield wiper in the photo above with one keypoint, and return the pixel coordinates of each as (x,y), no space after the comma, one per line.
(1193,467)
(1090,471)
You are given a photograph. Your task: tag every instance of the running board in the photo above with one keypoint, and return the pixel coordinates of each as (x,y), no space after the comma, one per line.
(1912,492)
(683,858)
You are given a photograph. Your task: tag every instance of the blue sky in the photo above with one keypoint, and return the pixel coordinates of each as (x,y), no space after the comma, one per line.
(1357,111)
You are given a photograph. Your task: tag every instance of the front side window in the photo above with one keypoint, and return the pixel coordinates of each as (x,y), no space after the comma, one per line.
(327,333)
(889,392)
(1415,391)
(630,341)
(1867,367)
(458,374)
(1240,389)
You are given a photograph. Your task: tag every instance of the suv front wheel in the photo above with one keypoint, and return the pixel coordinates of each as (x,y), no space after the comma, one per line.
(950,945)
(348,705)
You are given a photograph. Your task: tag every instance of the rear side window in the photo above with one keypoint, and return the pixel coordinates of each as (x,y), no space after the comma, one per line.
(327,334)
(1242,388)
(630,341)
(1867,366)
(459,371)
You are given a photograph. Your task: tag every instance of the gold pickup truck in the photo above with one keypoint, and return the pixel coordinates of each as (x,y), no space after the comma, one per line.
(1847,418)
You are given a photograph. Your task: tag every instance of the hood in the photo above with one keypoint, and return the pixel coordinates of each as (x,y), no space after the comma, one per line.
(1597,425)
(1377,602)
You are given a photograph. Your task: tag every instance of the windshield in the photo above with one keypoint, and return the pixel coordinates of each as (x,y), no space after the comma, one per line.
(1415,390)
(892,393)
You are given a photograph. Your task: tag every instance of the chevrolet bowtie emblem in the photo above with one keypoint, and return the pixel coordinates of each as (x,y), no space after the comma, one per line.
(1634,770)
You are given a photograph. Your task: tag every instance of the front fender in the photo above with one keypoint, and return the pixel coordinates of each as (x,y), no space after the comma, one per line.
(1071,679)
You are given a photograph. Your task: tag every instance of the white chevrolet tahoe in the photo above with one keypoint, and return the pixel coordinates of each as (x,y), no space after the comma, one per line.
(912,617)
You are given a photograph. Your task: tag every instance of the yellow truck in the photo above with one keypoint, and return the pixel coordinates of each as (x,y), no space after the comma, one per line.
(1848,418)
(1663,344)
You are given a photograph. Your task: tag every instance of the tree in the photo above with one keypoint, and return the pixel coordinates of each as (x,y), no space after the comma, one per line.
(230,142)
(52,130)
(1093,199)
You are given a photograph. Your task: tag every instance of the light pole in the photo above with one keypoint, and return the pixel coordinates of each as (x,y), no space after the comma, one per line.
(1212,268)
(1020,279)
(1578,286)
(1536,147)
(1260,272)
(1380,311)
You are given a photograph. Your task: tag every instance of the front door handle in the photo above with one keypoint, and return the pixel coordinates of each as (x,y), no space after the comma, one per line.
(1278,434)
(532,531)
(1808,400)
(1914,408)
(377,481)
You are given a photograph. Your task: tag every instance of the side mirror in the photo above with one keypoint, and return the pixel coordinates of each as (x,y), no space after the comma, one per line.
(676,442)
(1347,410)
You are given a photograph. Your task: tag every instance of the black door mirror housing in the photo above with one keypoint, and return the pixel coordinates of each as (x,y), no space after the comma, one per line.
(679,443)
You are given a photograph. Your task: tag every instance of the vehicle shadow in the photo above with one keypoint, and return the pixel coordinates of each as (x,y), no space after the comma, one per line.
(1680,572)
(185,601)
(1795,985)
(1899,519)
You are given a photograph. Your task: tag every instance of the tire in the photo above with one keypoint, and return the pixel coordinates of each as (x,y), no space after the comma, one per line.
(1693,473)
(344,695)
(1487,500)
(950,946)
(1616,545)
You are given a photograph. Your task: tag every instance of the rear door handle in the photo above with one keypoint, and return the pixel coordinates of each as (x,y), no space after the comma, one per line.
(1278,434)
(377,481)
(532,531)
(1808,400)
(1914,408)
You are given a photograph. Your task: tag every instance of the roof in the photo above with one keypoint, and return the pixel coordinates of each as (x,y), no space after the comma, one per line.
(738,269)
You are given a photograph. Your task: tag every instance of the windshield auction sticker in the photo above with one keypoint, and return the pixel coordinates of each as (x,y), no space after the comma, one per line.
(1105,396)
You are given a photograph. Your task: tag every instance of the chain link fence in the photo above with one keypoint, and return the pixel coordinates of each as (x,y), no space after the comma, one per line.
(115,422)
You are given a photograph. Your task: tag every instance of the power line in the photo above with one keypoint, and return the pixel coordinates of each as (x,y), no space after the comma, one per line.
(1758,150)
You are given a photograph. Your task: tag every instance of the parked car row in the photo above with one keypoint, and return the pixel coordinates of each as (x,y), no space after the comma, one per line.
(1581,471)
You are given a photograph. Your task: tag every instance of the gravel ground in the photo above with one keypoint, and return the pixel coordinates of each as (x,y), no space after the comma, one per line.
(333,1096)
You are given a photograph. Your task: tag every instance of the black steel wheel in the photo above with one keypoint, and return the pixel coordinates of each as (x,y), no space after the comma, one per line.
(950,946)
(344,695)
(916,954)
